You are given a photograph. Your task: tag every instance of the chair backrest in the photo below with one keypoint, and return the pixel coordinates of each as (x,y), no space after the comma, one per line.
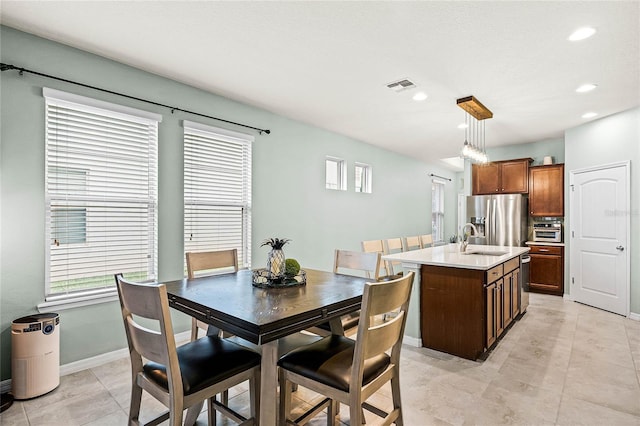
(393,245)
(412,243)
(358,261)
(210,261)
(373,337)
(426,240)
(376,246)
(149,301)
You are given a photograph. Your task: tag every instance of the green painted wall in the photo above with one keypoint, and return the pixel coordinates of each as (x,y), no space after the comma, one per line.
(612,139)
(536,150)
(289,199)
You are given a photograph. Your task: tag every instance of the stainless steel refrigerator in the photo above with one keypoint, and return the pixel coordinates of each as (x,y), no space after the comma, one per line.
(501,220)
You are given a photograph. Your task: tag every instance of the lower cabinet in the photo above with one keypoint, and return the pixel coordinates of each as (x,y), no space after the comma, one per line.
(501,294)
(547,269)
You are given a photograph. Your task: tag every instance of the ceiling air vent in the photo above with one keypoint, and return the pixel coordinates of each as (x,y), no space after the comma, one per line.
(400,85)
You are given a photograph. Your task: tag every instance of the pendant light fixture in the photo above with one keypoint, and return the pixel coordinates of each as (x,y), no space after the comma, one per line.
(474,147)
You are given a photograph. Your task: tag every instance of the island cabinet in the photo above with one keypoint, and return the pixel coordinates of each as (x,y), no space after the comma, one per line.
(464,311)
(501,177)
(546,190)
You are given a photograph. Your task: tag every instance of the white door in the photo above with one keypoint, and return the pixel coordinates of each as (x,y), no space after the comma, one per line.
(600,218)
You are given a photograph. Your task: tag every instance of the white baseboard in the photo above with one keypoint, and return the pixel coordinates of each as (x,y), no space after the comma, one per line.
(634,316)
(416,342)
(568,297)
(95,361)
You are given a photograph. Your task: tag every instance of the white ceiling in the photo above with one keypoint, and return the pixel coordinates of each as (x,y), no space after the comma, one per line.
(328,63)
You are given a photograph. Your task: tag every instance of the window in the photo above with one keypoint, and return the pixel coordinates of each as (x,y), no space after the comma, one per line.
(217,190)
(336,174)
(437,210)
(101,194)
(363,178)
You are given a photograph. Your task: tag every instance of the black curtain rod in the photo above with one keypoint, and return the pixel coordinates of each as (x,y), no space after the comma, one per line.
(7,67)
(441,177)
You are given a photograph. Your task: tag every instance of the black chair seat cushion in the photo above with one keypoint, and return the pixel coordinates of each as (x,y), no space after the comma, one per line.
(329,361)
(205,362)
(348,321)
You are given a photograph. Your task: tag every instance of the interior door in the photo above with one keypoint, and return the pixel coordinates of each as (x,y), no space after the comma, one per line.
(600,218)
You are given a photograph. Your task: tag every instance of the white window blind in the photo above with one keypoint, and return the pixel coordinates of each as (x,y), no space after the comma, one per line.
(217,190)
(437,209)
(101,194)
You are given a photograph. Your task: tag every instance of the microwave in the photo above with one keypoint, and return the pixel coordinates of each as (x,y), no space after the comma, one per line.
(547,232)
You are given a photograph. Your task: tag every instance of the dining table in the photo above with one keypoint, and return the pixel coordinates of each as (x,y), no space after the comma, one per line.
(232,303)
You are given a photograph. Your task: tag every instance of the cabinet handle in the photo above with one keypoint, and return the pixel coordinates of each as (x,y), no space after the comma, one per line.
(543,250)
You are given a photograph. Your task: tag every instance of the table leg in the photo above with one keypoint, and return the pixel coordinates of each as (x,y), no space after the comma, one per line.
(269,384)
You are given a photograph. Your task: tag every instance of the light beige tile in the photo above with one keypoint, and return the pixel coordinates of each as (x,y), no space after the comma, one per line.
(574,411)
(117,418)
(78,410)
(14,415)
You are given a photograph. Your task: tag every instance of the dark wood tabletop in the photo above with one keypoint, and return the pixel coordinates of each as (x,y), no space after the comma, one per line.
(261,315)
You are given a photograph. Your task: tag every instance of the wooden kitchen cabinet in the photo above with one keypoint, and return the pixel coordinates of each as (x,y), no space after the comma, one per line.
(501,177)
(546,190)
(546,269)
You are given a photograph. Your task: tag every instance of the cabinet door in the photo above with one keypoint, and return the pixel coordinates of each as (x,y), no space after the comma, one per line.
(546,190)
(499,308)
(546,273)
(506,299)
(514,177)
(491,314)
(515,310)
(485,178)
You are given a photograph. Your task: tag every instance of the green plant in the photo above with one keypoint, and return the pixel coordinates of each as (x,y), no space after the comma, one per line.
(291,267)
(275,243)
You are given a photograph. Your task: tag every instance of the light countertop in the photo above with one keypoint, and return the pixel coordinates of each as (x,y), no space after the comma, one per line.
(450,255)
(542,243)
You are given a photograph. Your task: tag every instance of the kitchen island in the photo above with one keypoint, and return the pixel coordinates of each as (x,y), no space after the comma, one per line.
(467,300)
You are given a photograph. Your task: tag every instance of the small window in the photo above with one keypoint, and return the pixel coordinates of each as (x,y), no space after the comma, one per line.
(363,178)
(336,174)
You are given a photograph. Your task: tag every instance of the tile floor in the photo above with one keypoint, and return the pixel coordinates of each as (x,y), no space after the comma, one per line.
(563,363)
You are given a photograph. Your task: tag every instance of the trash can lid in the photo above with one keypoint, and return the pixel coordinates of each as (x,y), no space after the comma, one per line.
(35,318)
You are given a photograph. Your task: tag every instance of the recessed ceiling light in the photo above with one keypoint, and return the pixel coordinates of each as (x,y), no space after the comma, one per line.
(586,88)
(582,33)
(463,126)
(589,115)
(420,96)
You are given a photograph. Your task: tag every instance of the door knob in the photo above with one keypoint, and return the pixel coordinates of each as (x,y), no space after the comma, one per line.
(620,248)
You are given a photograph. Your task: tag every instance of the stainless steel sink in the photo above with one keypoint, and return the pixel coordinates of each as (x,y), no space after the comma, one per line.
(486,253)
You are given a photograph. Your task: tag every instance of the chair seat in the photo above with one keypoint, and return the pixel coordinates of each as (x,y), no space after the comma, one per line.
(330,360)
(205,362)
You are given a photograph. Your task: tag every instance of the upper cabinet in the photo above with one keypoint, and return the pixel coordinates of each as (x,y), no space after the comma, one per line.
(546,190)
(501,177)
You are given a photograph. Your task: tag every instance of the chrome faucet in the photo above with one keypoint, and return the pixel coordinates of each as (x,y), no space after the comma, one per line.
(465,238)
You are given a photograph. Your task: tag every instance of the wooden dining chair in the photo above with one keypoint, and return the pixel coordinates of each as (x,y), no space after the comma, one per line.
(426,240)
(350,371)
(206,263)
(377,246)
(363,264)
(180,377)
(392,246)
(412,243)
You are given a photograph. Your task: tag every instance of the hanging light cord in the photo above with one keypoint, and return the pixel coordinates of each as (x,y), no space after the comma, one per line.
(21,71)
